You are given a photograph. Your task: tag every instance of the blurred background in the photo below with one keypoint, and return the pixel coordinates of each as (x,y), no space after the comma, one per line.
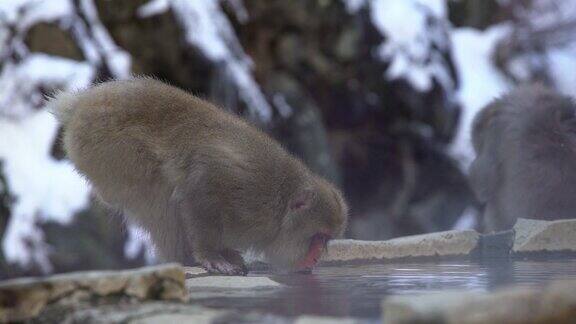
(375,95)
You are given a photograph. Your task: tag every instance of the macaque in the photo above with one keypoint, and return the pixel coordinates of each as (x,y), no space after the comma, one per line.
(205,184)
(525,164)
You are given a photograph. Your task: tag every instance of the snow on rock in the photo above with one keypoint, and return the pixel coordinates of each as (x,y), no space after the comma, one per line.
(139,240)
(480,81)
(45,189)
(416,36)
(25,13)
(152,8)
(208,28)
(98,40)
(560,60)
(19,82)
(558,17)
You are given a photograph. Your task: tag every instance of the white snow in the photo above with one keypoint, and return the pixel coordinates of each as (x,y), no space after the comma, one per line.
(44,11)
(480,81)
(468,220)
(45,189)
(152,8)
(139,240)
(208,28)
(561,60)
(19,82)
(352,6)
(282,105)
(118,60)
(26,12)
(415,32)
(239,10)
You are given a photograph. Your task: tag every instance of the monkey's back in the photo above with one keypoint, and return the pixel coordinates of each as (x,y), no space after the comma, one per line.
(526,163)
(138,139)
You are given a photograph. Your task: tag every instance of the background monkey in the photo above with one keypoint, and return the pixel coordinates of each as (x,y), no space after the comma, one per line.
(205,184)
(525,166)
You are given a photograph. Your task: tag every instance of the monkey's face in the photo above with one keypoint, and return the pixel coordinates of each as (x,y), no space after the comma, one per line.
(314,216)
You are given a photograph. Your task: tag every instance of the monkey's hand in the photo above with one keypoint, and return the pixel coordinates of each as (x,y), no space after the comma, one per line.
(230,262)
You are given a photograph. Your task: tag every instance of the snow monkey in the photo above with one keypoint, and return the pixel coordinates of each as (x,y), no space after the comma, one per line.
(525,164)
(205,184)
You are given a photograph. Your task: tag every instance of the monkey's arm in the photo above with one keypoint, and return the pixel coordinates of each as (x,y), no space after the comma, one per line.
(202,218)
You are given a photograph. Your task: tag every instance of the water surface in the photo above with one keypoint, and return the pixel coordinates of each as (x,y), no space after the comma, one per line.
(357,290)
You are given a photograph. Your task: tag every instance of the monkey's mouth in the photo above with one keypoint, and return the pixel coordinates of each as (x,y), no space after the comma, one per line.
(318,243)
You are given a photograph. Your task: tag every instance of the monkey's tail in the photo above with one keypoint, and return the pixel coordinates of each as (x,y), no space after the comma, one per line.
(61,105)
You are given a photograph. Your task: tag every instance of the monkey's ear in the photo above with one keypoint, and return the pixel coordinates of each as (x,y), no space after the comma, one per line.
(301,200)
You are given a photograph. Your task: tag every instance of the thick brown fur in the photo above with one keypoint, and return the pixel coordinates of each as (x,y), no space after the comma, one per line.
(205,184)
(525,166)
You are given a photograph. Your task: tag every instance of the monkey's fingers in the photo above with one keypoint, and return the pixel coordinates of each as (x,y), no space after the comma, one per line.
(235,258)
(224,267)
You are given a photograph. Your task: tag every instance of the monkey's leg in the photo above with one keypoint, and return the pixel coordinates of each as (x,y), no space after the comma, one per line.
(203,221)
(235,258)
(207,246)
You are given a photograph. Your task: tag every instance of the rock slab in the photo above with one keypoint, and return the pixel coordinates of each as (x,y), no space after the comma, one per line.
(231,282)
(25,298)
(193,272)
(544,236)
(449,243)
(555,303)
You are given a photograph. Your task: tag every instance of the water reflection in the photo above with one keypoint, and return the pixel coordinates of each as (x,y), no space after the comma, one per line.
(358,290)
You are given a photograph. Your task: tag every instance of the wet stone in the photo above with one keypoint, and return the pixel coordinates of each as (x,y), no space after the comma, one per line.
(150,312)
(544,236)
(496,245)
(23,299)
(200,316)
(231,282)
(554,303)
(192,272)
(449,243)
(323,320)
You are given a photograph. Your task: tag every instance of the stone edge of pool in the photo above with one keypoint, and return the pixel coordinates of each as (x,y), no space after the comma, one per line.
(555,302)
(157,293)
(528,237)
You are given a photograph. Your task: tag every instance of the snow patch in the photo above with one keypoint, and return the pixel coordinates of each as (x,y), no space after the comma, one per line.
(284,109)
(560,61)
(139,240)
(208,28)
(416,33)
(239,10)
(468,220)
(45,189)
(353,6)
(117,59)
(480,81)
(25,13)
(19,82)
(153,8)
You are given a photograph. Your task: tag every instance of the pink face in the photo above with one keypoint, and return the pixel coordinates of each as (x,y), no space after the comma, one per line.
(317,245)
